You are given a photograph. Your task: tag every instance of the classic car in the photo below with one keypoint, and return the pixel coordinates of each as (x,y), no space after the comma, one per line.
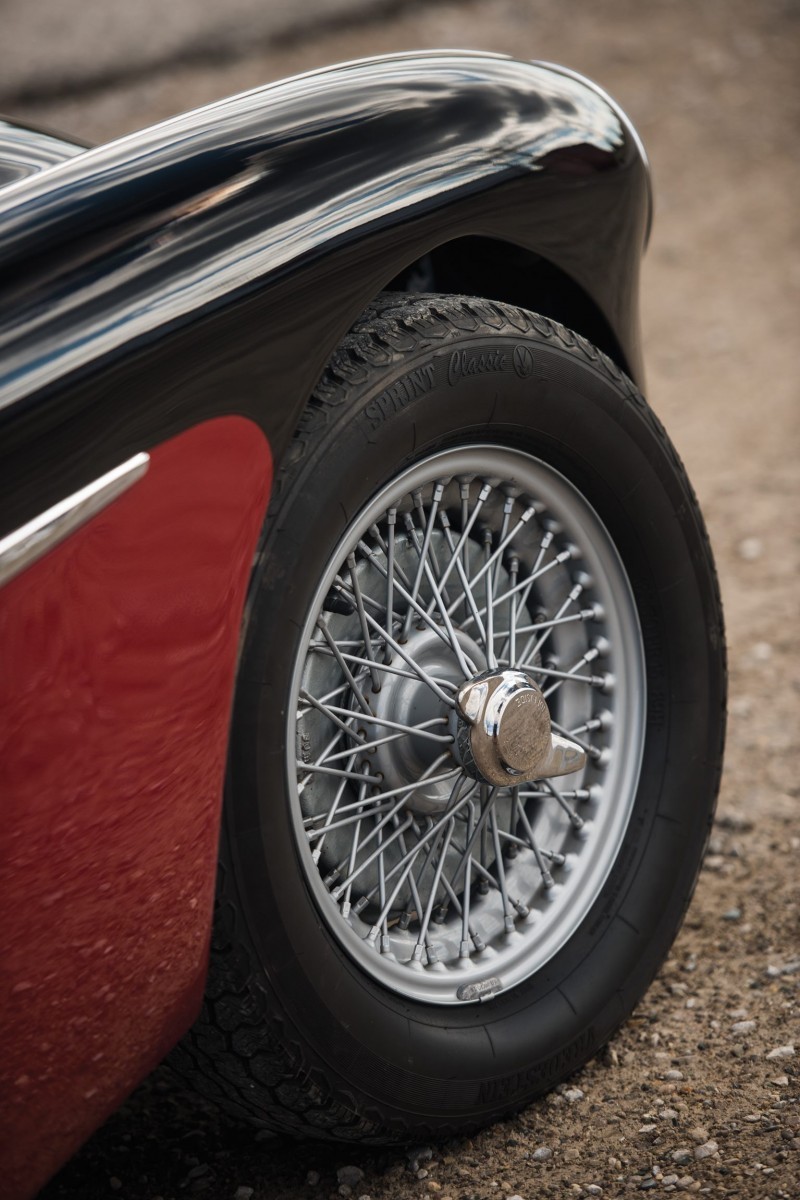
(346,576)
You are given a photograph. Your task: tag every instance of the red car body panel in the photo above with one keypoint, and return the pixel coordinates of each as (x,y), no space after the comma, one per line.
(120,651)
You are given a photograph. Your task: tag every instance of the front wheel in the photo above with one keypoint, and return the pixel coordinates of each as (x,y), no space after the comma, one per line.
(477,736)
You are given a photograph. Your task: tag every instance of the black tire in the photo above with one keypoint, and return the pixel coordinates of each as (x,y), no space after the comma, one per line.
(295,1033)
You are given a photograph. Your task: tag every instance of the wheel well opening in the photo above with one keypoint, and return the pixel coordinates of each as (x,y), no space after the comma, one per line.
(498,270)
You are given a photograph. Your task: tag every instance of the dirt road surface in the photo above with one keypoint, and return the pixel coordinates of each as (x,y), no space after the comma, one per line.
(700,1092)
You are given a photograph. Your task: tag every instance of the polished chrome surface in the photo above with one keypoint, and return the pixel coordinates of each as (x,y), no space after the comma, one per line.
(25,150)
(509,737)
(478,585)
(27,544)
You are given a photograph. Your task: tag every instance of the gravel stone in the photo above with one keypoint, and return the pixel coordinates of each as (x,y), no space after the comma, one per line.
(572,1095)
(243,1193)
(706,1150)
(743,1026)
(782,1052)
(682,1155)
(542,1153)
(788,968)
(350,1175)
(750,549)
(673,1075)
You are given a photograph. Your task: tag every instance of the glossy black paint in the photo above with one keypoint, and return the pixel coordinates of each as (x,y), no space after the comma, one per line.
(212,263)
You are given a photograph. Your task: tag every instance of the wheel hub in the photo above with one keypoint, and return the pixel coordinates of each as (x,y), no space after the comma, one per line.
(410,702)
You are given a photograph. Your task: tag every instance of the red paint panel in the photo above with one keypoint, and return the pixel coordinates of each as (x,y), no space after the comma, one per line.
(117,661)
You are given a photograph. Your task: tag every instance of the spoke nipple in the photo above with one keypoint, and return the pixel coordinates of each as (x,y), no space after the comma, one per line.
(433,954)
(584,580)
(558,860)
(440,914)
(604,757)
(607,683)
(547,880)
(360,905)
(573,551)
(577,822)
(483,887)
(418,953)
(598,612)
(316,855)
(595,793)
(521,908)
(329,880)
(404,920)
(509,924)
(372,936)
(386,945)
(338,892)
(478,942)
(512,851)
(603,646)
(464,950)
(346,909)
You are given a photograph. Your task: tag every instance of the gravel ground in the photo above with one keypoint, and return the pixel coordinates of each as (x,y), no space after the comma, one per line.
(699,1092)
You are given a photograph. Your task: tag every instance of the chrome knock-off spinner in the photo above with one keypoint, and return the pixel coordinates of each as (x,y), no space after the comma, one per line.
(505,737)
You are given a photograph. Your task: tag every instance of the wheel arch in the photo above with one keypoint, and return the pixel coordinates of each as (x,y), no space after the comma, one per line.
(495,269)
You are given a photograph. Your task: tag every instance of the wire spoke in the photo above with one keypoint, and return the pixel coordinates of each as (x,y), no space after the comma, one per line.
(449,637)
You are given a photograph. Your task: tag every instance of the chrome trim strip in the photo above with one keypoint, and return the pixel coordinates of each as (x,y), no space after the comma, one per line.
(25,545)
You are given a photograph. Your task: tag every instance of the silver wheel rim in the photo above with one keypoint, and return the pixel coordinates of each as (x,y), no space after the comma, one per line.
(440,887)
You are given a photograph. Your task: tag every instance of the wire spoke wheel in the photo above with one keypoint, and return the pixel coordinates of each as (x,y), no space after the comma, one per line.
(477,733)
(443,886)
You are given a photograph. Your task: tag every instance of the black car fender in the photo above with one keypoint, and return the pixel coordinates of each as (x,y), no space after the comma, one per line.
(211,264)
